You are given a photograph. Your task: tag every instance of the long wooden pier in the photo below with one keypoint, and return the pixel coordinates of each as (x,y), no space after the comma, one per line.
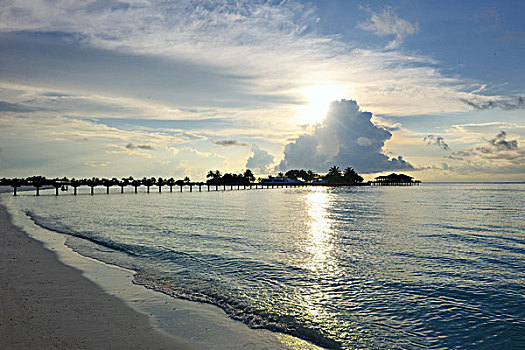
(62,186)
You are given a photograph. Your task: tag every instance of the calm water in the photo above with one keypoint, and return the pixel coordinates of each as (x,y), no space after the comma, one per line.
(438,266)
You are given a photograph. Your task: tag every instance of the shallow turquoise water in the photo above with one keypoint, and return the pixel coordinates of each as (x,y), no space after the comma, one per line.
(437,266)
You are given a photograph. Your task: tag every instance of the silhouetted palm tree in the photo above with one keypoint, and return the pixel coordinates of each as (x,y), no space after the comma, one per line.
(248,175)
(351,175)
(334,171)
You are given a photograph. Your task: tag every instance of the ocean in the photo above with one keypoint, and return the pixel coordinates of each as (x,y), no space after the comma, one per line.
(436,266)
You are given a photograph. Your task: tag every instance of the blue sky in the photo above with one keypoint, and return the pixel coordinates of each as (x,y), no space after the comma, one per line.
(159,88)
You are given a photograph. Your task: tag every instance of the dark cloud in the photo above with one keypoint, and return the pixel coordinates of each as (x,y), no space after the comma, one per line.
(517,103)
(497,148)
(443,167)
(230,143)
(259,161)
(14,107)
(143,147)
(55,94)
(500,142)
(436,140)
(346,137)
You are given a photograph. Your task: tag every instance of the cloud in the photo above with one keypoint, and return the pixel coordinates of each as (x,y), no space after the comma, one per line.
(436,140)
(230,143)
(259,161)
(96,164)
(500,143)
(388,23)
(142,147)
(14,107)
(347,137)
(237,54)
(497,149)
(517,103)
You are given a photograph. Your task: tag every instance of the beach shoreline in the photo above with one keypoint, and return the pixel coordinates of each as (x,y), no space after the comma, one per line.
(47,304)
(39,268)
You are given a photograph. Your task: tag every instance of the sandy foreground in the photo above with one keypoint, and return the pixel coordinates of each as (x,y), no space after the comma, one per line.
(54,298)
(48,305)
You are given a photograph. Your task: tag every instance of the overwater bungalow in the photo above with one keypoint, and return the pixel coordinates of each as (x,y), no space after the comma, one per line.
(395,180)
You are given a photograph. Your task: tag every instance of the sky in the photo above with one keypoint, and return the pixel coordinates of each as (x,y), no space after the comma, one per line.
(433,89)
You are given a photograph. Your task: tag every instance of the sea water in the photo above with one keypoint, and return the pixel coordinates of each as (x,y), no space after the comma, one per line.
(435,266)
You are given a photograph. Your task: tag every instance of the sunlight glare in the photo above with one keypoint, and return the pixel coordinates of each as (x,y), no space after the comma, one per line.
(319,98)
(320,231)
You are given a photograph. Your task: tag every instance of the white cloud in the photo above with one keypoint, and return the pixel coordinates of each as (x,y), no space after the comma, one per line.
(273,51)
(364,141)
(388,23)
(346,137)
(259,161)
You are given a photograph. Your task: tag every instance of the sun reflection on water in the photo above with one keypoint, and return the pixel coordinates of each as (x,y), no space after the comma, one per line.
(320,255)
(320,238)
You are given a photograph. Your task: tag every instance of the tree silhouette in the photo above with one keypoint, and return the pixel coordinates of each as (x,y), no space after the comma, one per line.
(351,176)
(248,175)
(334,171)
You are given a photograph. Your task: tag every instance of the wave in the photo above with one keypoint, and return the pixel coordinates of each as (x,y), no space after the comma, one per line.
(154,280)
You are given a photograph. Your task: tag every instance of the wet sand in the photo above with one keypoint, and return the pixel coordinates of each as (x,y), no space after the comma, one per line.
(45,304)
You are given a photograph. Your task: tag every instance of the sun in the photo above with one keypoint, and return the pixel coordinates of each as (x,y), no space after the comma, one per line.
(318,99)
